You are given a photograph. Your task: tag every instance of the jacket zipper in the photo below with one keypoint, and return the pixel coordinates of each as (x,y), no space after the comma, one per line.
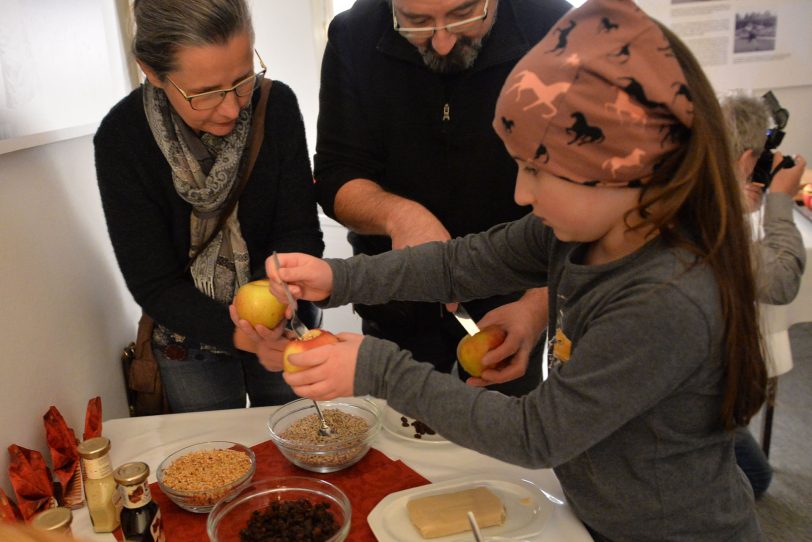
(446,112)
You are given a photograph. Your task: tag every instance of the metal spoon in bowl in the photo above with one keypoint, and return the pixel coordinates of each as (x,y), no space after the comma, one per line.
(300,330)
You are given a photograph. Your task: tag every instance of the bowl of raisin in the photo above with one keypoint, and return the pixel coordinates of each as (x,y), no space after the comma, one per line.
(285,509)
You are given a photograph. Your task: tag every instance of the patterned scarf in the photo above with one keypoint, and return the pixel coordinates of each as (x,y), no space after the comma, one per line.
(205,184)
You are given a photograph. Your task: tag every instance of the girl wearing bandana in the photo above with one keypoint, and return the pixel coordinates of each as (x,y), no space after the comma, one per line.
(168,158)
(637,225)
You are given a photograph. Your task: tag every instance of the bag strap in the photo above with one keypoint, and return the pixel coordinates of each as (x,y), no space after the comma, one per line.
(257,133)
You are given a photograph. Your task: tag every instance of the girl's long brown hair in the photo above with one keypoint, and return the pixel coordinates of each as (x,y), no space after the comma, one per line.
(695,190)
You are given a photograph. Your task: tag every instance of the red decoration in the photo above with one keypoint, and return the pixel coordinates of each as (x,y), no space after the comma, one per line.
(31,481)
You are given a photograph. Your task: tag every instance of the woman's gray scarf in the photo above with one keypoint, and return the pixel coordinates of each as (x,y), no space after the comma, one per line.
(224,265)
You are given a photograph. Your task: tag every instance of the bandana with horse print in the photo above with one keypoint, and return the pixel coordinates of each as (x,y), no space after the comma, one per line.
(601,100)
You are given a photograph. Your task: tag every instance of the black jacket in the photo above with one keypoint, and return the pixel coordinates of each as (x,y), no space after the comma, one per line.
(148,221)
(381,117)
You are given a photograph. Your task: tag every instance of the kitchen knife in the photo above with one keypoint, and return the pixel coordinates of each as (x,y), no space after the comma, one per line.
(465,320)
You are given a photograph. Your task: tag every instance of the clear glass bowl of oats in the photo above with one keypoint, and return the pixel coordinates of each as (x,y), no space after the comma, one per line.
(294,429)
(199,476)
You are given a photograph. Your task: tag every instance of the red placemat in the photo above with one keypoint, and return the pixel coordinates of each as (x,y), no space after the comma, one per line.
(365,484)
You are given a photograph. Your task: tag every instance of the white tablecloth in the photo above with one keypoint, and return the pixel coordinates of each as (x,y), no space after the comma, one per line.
(152,438)
(778,319)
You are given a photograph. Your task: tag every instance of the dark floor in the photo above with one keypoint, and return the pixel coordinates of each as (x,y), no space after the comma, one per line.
(785,511)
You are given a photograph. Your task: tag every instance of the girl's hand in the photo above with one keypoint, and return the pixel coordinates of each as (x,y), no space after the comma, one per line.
(307,277)
(267,344)
(524,321)
(327,371)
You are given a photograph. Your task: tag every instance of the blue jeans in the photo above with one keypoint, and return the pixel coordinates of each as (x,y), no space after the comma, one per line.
(203,380)
(751,459)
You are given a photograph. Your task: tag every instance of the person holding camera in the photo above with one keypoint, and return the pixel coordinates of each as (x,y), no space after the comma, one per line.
(779,252)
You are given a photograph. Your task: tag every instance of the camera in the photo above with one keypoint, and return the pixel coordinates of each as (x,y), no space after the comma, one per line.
(764,172)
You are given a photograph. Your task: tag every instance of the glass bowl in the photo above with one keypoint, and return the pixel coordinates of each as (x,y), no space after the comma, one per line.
(310,451)
(199,470)
(229,517)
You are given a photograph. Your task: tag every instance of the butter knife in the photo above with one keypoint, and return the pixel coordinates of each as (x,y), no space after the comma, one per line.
(296,325)
(465,320)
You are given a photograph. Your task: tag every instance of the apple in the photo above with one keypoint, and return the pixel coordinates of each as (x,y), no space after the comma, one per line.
(472,348)
(313,338)
(255,302)
(806,195)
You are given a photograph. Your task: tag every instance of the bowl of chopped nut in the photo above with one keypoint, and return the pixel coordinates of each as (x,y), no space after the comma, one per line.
(199,476)
(354,423)
(286,508)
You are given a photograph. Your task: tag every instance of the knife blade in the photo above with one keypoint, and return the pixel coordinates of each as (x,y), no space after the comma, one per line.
(465,320)
(296,325)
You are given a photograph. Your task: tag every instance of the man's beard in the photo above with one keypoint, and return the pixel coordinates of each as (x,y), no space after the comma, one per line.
(461,57)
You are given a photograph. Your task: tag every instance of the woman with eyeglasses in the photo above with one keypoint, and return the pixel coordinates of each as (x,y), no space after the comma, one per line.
(169,160)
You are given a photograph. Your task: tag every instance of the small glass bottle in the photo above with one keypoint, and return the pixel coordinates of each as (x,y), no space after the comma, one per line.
(55,520)
(103,501)
(140,517)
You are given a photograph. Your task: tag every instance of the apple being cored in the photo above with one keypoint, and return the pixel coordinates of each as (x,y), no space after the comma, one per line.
(255,302)
(472,348)
(311,339)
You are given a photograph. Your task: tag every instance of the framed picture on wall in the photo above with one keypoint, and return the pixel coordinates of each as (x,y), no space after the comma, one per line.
(62,66)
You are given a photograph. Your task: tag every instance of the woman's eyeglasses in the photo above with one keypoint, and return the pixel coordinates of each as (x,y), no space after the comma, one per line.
(424,32)
(213,98)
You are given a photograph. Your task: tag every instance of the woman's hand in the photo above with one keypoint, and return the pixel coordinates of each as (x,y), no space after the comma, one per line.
(524,321)
(307,277)
(327,371)
(267,344)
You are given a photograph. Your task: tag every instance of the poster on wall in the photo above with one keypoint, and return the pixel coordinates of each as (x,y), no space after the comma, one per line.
(743,44)
(61,69)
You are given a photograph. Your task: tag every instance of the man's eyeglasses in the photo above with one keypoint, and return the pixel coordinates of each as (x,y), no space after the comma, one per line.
(213,98)
(424,32)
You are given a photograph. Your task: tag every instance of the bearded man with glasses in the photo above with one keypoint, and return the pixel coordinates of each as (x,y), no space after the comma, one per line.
(406,154)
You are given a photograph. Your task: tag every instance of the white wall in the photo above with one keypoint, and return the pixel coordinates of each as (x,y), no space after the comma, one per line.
(65,311)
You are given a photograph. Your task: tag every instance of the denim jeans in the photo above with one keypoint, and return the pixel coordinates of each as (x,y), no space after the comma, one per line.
(751,460)
(203,380)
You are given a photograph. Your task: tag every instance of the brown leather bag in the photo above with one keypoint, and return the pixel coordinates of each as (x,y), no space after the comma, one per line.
(145,395)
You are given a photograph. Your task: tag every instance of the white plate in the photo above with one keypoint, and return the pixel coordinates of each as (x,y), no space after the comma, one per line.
(527,510)
(393,422)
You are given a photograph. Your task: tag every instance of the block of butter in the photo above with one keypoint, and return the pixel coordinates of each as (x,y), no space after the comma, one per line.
(446,513)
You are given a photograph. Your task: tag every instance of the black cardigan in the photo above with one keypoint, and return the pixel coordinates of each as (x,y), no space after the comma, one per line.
(381,117)
(148,222)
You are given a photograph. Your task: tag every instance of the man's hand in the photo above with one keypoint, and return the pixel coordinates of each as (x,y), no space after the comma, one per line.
(365,207)
(327,371)
(788,180)
(411,224)
(524,321)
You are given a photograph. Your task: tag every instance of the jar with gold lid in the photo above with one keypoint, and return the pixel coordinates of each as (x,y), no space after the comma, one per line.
(56,520)
(103,501)
(140,517)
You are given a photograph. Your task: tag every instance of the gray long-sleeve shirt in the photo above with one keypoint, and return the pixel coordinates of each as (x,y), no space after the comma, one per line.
(630,422)
(781,256)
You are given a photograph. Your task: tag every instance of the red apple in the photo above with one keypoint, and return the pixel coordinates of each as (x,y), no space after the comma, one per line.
(255,302)
(806,195)
(311,339)
(472,348)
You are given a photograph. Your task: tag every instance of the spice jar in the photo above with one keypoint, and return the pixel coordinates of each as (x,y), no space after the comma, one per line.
(140,517)
(103,501)
(55,520)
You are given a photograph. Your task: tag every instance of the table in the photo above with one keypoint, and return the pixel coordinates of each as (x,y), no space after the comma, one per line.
(776,321)
(152,438)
